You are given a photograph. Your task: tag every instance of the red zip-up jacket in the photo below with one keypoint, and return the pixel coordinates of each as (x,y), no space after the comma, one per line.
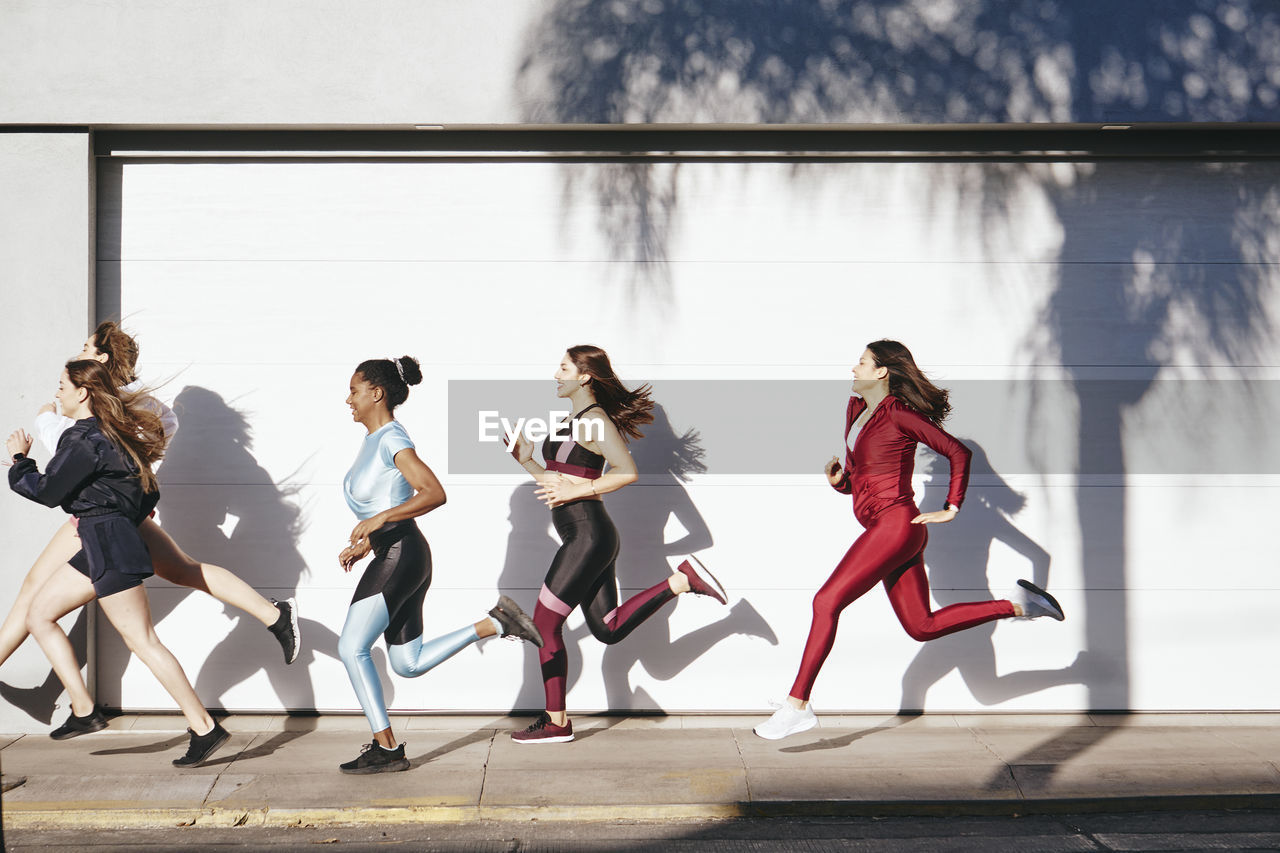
(878,472)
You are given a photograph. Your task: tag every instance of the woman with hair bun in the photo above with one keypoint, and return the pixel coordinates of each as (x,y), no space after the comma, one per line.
(572,482)
(894,407)
(387,487)
(101,475)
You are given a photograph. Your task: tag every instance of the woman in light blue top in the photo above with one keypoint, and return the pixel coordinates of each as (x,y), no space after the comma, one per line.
(386,488)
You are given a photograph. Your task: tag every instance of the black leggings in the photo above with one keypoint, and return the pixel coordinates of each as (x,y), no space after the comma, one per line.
(401,571)
(582,574)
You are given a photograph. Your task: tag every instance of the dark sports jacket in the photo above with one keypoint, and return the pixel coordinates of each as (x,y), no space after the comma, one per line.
(88,476)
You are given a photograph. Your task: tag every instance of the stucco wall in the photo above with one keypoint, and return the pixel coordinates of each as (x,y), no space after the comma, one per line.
(405,62)
(46,275)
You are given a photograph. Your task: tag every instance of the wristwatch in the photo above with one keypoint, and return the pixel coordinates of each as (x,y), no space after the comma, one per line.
(18,457)
(950,506)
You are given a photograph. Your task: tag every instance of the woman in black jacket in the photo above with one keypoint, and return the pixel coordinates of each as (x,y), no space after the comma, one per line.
(101,475)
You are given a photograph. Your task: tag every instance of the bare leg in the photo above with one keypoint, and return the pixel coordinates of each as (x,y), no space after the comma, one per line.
(66,590)
(61,548)
(130,614)
(172,563)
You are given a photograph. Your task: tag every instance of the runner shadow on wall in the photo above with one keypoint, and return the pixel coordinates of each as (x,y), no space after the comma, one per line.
(641,513)
(223,508)
(957,558)
(531,545)
(40,702)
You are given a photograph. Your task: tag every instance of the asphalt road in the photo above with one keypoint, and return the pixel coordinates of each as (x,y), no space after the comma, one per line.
(1149,831)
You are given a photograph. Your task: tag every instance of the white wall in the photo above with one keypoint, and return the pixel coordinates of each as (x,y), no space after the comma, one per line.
(265,283)
(404,62)
(46,245)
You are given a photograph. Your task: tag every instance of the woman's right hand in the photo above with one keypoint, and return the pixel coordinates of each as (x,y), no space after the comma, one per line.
(18,442)
(832,470)
(523,450)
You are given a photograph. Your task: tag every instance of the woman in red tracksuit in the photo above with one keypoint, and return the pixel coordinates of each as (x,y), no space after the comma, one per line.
(895,407)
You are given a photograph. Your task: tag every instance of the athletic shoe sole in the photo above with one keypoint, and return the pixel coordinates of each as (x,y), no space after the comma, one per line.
(293,624)
(793,730)
(555,739)
(208,753)
(514,612)
(393,767)
(713,587)
(96,725)
(1032,588)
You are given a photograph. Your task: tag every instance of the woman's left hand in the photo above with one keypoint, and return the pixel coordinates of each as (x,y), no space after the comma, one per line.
(942,516)
(353,554)
(360,533)
(18,442)
(556,490)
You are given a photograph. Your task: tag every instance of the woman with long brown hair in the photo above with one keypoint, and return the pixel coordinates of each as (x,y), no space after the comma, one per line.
(606,415)
(894,407)
(102,476)
(117,351)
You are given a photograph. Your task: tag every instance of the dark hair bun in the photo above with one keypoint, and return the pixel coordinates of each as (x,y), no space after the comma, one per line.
(412,372)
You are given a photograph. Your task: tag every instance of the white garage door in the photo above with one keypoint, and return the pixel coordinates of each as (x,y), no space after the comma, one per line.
(1108,330)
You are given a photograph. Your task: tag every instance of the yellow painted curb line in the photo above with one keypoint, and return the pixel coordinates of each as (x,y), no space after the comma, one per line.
(121,818)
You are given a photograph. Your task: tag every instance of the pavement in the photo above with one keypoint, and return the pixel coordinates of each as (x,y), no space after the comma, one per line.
(282,770)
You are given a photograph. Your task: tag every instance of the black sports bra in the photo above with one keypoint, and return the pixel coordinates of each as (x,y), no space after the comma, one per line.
(569,457)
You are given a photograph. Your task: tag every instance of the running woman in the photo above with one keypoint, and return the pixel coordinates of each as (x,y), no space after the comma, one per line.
(102,476)
(582,573)
(387,487)
(894,407)
(118,352)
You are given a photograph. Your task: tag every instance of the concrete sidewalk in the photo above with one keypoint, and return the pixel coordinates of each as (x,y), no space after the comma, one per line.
(283,770)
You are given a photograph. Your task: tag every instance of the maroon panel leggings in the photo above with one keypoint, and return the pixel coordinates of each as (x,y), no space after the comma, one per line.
(891,549)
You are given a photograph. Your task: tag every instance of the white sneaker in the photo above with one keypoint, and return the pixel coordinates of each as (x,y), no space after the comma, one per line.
(787,720)
(1035,602)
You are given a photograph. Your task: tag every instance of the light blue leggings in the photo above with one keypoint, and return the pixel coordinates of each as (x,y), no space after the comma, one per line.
(367,619)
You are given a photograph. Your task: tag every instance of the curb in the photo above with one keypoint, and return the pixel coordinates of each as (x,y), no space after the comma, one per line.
(151,818)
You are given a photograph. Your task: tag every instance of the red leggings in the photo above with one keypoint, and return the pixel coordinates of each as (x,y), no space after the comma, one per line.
(890,550)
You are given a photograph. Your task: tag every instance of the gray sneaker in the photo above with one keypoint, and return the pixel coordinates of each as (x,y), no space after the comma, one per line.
(515,622)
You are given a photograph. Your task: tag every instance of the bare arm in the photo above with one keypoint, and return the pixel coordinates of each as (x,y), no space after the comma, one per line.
(428,495)
(622,470)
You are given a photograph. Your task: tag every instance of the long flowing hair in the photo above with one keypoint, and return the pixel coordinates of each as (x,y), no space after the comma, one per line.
(123,418)
(908,383)
(121,350)
(627,409)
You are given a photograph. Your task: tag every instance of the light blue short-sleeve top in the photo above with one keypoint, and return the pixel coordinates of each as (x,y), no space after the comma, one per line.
(374,483)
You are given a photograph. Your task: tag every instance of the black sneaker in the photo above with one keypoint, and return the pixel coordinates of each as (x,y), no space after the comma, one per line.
(375,758)
(286,628)
(76,726)
(203,746)
(515,622)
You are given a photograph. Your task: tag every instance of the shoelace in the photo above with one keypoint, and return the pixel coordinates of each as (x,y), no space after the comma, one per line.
(540,724)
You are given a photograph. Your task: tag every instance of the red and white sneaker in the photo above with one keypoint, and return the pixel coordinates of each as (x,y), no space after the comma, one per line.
(545,731)
(701,581)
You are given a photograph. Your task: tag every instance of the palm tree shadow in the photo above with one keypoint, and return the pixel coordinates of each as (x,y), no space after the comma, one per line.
(957,560)
(850,62)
